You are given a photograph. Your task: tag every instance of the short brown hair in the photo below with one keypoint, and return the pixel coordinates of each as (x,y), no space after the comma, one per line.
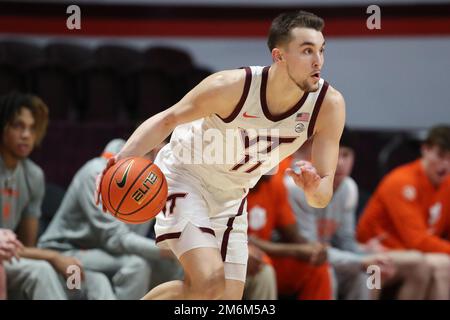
(12,103)
(439,136)
(280,30)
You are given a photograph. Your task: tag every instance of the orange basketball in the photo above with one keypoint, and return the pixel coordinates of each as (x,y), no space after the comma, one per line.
(134,190)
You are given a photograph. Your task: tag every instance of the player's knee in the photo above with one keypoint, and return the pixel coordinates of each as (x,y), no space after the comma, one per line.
(138,266)
(440,265)
(210,285)
(416,267)
(41,271)
(97,279)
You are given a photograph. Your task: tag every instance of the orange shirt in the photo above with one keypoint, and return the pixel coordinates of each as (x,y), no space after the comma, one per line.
(268,209)
(443,197)
(406,212)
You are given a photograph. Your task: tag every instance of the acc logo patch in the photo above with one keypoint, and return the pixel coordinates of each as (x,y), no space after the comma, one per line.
(299,127)
(434,213)
(257,218)
(409,192)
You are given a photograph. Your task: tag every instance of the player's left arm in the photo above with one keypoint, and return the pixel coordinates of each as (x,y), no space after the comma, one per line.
(316,177)
(27,231)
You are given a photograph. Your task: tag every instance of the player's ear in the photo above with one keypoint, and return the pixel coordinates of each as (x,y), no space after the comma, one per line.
(276,55)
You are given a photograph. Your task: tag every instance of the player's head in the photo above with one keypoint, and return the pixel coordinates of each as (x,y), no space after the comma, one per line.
(23,121)
(296,43)
(436,153)
(346,157)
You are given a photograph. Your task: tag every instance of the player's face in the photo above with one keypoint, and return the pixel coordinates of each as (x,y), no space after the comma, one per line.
(304,58)
(436,162)
(344,166)
(19,136)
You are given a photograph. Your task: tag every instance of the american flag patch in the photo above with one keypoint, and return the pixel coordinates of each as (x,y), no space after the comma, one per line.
(302,116)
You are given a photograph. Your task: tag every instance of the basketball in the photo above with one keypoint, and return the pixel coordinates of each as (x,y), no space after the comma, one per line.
(134,190)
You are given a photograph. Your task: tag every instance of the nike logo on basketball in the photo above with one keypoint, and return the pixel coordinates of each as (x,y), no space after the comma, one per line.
(121,184)
(249,116)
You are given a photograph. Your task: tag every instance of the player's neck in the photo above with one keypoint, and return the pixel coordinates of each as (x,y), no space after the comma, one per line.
(282,92)
(9,159)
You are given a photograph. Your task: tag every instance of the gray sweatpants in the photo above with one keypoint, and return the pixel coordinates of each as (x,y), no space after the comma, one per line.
(131,276)
(37,280)
(261,286)
(349,285)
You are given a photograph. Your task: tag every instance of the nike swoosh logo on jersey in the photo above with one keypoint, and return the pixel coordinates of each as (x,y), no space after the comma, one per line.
(245,115)
(121,184)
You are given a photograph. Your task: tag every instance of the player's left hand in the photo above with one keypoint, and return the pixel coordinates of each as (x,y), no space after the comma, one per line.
(10,246)
(308,179)
(383,261)
(98,181)
(61,263)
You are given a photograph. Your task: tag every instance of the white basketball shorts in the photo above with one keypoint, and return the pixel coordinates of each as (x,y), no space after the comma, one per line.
(198,216)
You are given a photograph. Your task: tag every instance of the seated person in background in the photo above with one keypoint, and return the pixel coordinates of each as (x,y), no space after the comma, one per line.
(335,226)
(23,122)
(404,212)
(261,281)
(131,261)
(9,249)
(300,265)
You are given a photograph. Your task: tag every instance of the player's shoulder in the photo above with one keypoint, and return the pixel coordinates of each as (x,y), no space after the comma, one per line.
(228,80)
(332,109)
(333,98)
(32,170)
(220,92)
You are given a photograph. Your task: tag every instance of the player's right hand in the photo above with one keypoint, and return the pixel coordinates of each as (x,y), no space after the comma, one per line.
(319,254)
(10,246)
(98,181)
(255,260)
(383,261)
(314,253)
(374,245)
(307,178)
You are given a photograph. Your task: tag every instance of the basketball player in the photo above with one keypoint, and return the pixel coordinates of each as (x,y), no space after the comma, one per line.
(205,222)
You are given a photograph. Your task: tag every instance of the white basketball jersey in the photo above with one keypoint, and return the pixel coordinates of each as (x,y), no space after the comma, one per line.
(235,152)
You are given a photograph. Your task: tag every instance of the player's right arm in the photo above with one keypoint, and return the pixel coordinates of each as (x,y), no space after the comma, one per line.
(217,94)
(312,252)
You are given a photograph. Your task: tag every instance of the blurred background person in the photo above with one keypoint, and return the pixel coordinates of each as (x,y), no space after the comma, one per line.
(405,213)
(39,273)
(300,265)
(132,262)
(335,226)
(9,249)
